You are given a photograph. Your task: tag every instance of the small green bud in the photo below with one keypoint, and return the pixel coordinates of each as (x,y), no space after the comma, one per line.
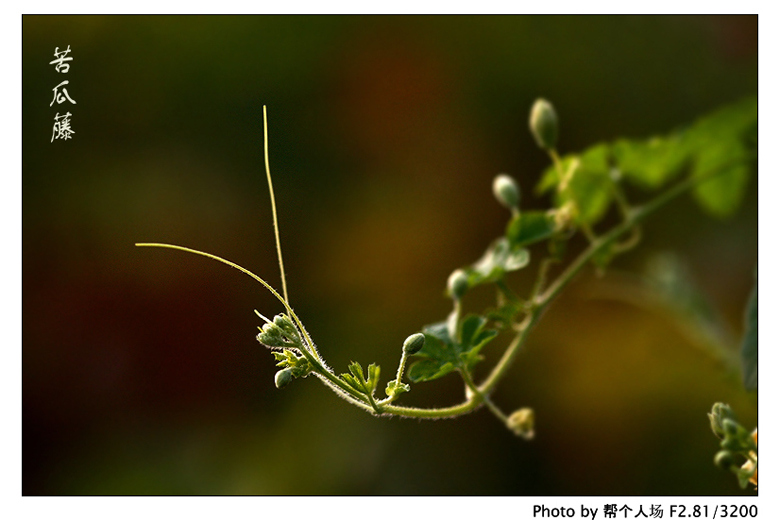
(283,378)
(270,336)
(720,412)
(521,422)
(507,191)
(724,459)
(280,320)
(544,124)
(414,343)
(730,427)
(458,284)
(287,327)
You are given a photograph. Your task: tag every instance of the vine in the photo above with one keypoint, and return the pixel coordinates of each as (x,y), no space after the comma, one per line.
(711,158)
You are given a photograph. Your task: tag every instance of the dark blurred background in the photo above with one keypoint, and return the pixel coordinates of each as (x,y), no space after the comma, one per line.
(141,374)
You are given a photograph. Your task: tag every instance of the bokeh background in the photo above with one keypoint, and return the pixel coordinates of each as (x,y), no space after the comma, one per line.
(141,374)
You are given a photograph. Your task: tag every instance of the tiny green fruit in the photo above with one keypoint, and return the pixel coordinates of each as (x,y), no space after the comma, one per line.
(458,284)
(724,459)
(414,343)
(544,124)
(283,378)
(507,191)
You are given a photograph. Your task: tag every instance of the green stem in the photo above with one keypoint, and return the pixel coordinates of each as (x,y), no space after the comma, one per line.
(621,200)
(508,293)
(478,394)
(541,278)
(401,365)
(335,382)
(540,304)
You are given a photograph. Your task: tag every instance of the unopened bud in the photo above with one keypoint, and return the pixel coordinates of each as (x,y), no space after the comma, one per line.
(730,427)
(507,191)
(414,343)
(458,284)
(720,412)
(521,422)
(270,336)
(544,124)
(283,378)
(724,459)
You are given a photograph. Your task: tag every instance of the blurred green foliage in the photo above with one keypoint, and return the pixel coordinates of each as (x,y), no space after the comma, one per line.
(141,373)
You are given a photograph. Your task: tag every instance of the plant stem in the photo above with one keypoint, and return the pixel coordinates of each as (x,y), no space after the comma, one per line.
(542,301)
(478,394)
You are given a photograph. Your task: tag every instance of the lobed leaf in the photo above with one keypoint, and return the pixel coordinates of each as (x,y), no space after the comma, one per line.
(725,138)
(589,183)
(500,258)
(530,227)
(650,163)
(442,354)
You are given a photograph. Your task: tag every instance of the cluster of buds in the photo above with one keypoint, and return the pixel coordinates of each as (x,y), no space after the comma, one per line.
(281,333)
(736,442)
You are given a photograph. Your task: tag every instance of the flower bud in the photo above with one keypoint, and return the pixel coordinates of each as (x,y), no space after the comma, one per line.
(270,336)
(730,427)
(458,284)
(286,325)
(544,124)
(414,343)
(720,412)
(724,459)
(521,422)
(507,191)
(283,378)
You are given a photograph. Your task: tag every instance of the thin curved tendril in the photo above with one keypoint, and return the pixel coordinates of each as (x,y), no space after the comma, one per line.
(273,205)
(248,273)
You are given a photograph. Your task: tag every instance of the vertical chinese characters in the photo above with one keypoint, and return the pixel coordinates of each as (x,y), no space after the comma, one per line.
(61,129)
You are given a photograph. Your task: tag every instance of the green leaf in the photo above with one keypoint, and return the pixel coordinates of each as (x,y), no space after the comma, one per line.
(589,184)
(530,227)
(749,351)
(724,140)
(428,370)
(592,194)
(650,163)
(373,378)
(473,338)
(357,371)
(357,380)
(722,195)
(505,314)
(394,388)
(442,355)
(500,258)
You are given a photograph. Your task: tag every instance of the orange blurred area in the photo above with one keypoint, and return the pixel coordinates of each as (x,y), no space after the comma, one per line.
(141,372)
